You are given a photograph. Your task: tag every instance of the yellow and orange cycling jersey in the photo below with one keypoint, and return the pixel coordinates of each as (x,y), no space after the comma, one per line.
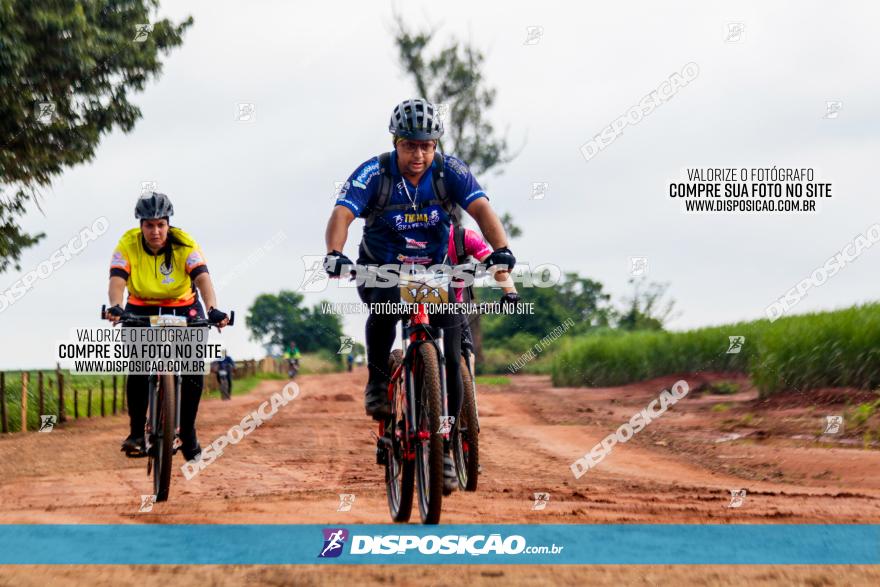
(149,281)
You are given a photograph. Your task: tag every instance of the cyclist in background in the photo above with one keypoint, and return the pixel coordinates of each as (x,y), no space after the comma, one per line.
(465,243)
(293,355)
(164,271)
(227,364)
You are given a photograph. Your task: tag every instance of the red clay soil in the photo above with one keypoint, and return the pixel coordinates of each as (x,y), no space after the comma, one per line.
(679,469)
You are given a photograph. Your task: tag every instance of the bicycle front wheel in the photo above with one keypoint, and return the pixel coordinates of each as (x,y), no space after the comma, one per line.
(429,447)
(164,430)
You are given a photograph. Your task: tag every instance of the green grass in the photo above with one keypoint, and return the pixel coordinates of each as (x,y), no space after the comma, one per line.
(321,362)
(723,387)
(492,380)
(826,349)
(75,395)
(500,360)
(244,385)
(860,415)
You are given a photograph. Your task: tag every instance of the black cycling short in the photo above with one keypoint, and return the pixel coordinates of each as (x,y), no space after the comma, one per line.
(137,386)
(381,332)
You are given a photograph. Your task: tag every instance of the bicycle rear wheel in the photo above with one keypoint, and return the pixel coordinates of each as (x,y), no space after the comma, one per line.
(465,440)
(429,448)
(164,431)
(399,470)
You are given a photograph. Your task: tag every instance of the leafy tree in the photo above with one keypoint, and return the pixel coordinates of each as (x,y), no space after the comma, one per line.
(645,309)
(67,68)
(510,228)
(279,319)
(358,350)
(454,76)
(575,297)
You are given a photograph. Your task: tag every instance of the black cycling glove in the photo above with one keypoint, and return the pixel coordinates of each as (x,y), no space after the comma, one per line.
(334,262)
(501,256)
(115,311)
(510,298)
(215,316)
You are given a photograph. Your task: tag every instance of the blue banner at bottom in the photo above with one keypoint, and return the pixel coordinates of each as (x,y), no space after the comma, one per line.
(740,544)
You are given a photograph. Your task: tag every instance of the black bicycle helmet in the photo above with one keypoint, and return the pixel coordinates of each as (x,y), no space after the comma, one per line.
(153,205)
(417,120)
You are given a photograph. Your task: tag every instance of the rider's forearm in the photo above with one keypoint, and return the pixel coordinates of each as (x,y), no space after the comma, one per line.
(489,223)
(337,228)
(503,278)
(206,289)
(116,290)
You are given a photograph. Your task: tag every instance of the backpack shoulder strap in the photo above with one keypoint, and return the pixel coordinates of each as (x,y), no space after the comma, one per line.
(383,194)
(458,241)
(438,178)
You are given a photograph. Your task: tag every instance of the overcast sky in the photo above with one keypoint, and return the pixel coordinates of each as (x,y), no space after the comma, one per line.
(324,78)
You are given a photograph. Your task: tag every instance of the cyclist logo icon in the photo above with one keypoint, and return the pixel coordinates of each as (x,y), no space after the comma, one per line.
(736,344)
(346,501)
(315,278)
(533,35)
(45,112)
(147,502)
(541,500)
(446,423)
(334,540)
(47,422)
(833,424)
(142,31)
(737,498)
(346,345)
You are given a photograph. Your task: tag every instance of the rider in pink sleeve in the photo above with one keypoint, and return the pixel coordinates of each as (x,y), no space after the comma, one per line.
(474,246)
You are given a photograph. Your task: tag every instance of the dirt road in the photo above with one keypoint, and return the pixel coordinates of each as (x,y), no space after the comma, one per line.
(680,469)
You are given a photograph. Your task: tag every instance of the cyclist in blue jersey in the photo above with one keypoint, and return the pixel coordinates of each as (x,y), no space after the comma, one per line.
(409,198)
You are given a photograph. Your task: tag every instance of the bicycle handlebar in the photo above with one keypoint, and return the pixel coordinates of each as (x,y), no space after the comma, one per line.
(129,319)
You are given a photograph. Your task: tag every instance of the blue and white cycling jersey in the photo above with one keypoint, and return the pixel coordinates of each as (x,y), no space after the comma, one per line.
(418,235)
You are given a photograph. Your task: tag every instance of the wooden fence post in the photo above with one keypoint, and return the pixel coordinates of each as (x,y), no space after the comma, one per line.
(40,388)
(102,398)
(75,403)
(114,395)
(48,390)
(4,423)
(62,409)
(24,386)
(89,404)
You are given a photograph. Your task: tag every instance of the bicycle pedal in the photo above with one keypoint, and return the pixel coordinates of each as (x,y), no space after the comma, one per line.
(381,456)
